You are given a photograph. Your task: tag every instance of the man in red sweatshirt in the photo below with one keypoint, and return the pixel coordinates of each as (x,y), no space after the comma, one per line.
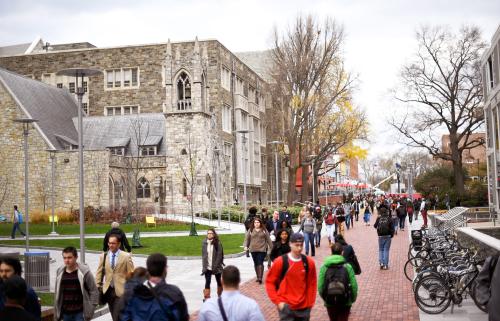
(291,282)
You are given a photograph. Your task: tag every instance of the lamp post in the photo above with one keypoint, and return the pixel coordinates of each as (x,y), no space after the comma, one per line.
(80,72)
(52,154)
(217,188)
(276,143)
(313,181)
(26,127)
(244,133)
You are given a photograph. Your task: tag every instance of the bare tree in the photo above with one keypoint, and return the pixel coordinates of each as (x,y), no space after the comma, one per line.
(42,189)
(442,90)
(308,81)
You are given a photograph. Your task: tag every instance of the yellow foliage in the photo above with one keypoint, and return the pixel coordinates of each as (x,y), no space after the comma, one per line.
(352,151)
(64,216)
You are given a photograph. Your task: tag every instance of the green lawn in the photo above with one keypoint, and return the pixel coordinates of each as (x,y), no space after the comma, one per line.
(170,246)
(96,228)
(46,298)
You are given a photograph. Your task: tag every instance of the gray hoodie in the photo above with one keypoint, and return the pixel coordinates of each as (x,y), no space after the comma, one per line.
(89,291)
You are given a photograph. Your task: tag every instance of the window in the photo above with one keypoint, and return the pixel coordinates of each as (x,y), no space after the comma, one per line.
(119,151)
(183,152)
(143,189)
(85,107)
(184,187)
(264,166)
(122,78)
(72,87)
(228,157)
(226,118)
(121,110)
(490,72)
(148,150)
(239,86)
(226,78)
(85,88)
(59,85)
(183,92)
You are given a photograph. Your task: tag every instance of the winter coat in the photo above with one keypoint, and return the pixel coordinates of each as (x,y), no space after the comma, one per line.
(217,257)
(279,249)
(88,287)
(494,303)
(336,260)
(258,241)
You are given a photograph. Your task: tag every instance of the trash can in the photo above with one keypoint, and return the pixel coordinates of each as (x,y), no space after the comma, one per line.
(416,237)
(36,270)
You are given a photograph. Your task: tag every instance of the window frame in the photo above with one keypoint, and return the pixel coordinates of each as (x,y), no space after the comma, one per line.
(119,84)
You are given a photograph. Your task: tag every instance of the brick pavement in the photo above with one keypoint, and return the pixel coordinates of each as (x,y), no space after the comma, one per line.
(383,295)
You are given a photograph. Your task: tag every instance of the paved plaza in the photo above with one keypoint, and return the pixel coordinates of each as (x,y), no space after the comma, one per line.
(383,295)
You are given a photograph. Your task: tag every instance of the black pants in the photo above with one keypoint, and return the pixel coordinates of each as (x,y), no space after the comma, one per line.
(356,215)
(112,301)
(338,313)
(208,279)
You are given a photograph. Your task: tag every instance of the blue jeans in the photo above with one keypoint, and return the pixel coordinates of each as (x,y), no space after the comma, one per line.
(309,240)
(15,227)
(384,244)
(317,236)
(395,223)
(73,317)
(347,220)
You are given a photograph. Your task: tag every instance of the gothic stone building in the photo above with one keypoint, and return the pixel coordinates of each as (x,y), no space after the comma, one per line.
(200,92)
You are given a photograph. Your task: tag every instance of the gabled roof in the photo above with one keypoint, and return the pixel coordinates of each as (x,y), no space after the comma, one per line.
(101,132)
(54,108)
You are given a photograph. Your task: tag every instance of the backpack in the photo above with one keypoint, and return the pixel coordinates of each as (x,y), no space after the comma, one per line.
(159,308)
(286,264)
(337,289)
(19,217)
(384,225)
(248,222)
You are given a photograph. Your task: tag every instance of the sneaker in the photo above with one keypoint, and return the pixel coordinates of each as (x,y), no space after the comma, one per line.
(381,266)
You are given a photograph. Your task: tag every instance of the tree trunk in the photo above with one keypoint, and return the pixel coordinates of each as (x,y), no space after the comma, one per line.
(305,184)
(459,177)
(292,175)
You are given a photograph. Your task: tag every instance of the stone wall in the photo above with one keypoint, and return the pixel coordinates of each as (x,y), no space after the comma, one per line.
(475,239)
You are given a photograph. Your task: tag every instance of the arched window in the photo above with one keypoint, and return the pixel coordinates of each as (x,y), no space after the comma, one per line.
(183,92)
(184,152)
(143,189)
(184,187)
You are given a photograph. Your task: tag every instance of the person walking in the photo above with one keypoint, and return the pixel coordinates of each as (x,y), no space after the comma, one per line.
(285,215)
(252,214)
(337,285)
(231,305)
(281,245)
(114,266)
(339,218)
(401,212)
(356,207)
(423,212)
(274,225)
(330,225)
(154,299)
(308,226)
(348,253)
(409,211)
(10,267)
(76,295)
(394,217)
(212,258)
(116,230)
(17,219)
(258,243)
(318,216)
(367,212)
(15,291)
(348,214)
(385,231)
(291,283)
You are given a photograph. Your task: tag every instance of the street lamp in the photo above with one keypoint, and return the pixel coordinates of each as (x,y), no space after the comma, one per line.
(312,156)
(276,143)
(217,188)
(52,153)
(244,133)
(26,127)
(80,72)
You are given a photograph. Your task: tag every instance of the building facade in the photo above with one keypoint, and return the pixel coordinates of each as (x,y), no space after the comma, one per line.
(206,95)
(490,68)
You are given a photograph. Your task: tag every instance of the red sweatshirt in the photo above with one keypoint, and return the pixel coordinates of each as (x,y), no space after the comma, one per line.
(294,290)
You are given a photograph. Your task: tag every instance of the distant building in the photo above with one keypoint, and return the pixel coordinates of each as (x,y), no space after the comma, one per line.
(470,156)
(490,68)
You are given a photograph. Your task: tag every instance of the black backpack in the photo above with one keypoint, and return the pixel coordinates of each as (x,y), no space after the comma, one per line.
(337,289)
(384,225)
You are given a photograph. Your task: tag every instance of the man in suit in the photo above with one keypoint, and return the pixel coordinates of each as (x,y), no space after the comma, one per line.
(117,264)
(274,225)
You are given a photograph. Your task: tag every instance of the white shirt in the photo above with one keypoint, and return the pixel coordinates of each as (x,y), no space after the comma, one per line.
(237,306)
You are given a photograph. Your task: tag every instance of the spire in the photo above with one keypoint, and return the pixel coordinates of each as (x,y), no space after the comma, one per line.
(196,46)
(169,48)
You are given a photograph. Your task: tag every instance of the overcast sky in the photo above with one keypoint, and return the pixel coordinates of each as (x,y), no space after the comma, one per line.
(379,34)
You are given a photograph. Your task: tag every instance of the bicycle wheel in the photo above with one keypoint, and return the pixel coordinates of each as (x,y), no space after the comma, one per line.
(423,273)
(411,265)
(472,292)
(432,295)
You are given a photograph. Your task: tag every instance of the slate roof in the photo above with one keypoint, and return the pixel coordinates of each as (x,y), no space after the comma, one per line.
(14,49)
(101,132)
(54,108)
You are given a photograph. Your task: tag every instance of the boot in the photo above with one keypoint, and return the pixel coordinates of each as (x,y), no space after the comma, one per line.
(206,294)
(219,290)
(260,273)
(256,268)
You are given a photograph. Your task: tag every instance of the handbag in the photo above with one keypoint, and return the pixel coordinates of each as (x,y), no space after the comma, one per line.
(102,297)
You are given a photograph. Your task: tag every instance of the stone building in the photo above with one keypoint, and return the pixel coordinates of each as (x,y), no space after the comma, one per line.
(203,93)
(490,67)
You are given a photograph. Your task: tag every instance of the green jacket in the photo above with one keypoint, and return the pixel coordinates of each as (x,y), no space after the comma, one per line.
(335,260)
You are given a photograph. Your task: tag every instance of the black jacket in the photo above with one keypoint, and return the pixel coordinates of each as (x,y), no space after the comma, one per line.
(124,242)
(279,249)
(391,226)
(494,303)
(270,226)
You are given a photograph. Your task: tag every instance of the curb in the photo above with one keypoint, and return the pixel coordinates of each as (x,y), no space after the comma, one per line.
(228,256)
